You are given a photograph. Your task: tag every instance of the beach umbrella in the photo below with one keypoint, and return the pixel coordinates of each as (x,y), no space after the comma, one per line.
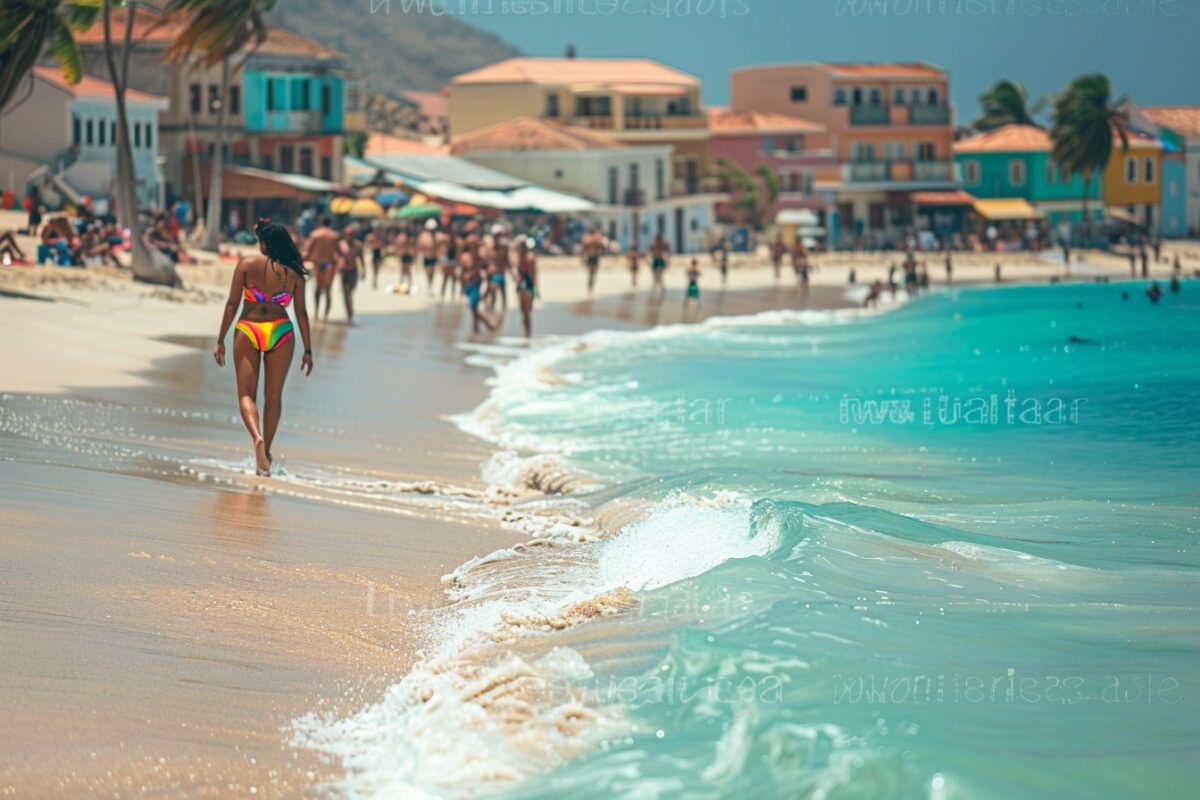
(391,198)
(418,200)
(427,211)
(341,205)
(365,208)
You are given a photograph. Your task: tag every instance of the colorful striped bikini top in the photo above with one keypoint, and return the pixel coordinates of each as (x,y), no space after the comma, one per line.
(252,294)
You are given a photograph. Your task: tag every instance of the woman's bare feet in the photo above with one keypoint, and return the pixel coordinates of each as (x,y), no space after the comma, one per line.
(263,461)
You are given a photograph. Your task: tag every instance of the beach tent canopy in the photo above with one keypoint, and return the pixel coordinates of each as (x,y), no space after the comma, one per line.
(457,180)
(341,205)
(1122,215)
(391,197)
(797,216)
(1007,209)
(958,198)
(427,211)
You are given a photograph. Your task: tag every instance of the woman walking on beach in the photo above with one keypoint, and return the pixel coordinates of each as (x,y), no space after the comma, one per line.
(265,285)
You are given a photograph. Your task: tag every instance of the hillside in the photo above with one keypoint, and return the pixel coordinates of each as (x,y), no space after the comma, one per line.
(397,50)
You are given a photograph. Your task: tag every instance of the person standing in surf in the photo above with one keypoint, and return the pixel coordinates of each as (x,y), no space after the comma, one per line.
(593,248)
(264,286)
(350,261)
(527,282)
(660,251)
(427,245)
(322,250)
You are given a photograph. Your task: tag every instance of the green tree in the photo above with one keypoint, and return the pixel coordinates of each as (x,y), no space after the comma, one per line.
(748,195)
(27,26)
(1006,103)
(1086,119)
(216,31)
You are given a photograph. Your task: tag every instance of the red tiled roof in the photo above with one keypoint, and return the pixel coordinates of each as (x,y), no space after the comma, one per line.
(383,144)
(434,105)
(577,70)
(915,69)
(722,121)
(150,26)
(1007,139)
(526,134)
(92,87)
(1184,120)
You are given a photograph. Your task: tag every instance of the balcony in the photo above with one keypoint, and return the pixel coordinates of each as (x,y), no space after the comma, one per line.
(695,185)
(898,172)
(297,122)
(656,122)
(929,115)
(595,123)
(869,115)
(861,171)
(933,171)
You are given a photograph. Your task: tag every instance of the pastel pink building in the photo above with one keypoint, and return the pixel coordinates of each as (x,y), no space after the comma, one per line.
(795,150)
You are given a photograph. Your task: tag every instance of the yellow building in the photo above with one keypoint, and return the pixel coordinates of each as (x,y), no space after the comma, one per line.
(1132,181)
(636,101)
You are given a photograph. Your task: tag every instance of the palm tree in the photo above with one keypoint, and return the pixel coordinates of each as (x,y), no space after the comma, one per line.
(26,26)
(1006,103)
(747,191)
(1086,118)
(217,30)
(142,263)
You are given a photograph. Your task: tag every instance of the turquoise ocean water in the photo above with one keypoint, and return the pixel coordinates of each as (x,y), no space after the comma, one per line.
(947,551)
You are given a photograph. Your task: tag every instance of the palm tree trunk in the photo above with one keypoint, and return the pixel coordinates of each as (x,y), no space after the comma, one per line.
(141,261)
(212,232)
(1087,218)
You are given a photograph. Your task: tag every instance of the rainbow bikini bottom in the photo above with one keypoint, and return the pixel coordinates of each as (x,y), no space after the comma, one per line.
(267,335)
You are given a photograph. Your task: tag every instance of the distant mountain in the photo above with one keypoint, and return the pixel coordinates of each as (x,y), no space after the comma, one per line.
(398,51)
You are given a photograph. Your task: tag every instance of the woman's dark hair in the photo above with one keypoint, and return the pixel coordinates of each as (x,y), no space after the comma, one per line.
(280,247)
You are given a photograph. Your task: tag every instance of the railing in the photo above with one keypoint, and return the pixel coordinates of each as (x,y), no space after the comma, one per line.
(869,115)
(929,115)
(867,171)
(697,185)
(652,122)
(933,171)
(595,123)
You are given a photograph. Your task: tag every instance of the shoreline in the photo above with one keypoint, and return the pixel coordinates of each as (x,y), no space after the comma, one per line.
(247,584)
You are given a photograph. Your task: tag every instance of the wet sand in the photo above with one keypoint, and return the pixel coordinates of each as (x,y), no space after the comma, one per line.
(165,614)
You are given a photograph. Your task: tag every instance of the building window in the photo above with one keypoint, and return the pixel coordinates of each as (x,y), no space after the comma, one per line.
(90,133)
(1016,172)
(768,145)
(272,104)
(149,136)
(898,96)
(839,97)
(971,173)
(660,179)
(76,130)
(326,168)
(354,99)
(593,107)
(876,97)
(925,152)
(933,97)
(551,105)
(112,132)
(306,161)
(268,163)
(893,151)
(1050,172)
(1149,170)
(634,177)
(327,100)
(613,179)
(301,94)
(799,94)
(214,98)
(287,158)
(137,134)
(103,132)
(916,97)
(196,97)
(1131,171)
(235,100)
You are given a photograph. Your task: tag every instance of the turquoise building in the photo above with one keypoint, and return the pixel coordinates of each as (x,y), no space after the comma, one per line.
(293,102)
(1014,162)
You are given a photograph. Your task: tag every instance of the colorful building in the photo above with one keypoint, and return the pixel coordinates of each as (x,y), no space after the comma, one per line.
(628,183)
(1132,181)
(792,149)
(1178,128)
(63,139)
(289,105)
(1014,162)
(636,101)
(889,126)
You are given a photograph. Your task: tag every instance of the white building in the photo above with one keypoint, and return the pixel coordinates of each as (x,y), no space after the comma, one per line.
(68,133)
(626,181)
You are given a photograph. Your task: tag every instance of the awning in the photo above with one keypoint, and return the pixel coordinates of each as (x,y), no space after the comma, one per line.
(1122,215)
(650,90)
(797,216)
(304,183)
(959,198)
(1007,209)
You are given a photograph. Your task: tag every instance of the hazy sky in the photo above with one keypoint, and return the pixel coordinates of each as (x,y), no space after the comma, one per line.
(1148,47)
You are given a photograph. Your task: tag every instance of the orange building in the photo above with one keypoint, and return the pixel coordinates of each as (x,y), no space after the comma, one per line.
(1132,181)
(890,127)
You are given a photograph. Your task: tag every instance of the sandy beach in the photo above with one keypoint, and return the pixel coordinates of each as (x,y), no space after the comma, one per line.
(165,614)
